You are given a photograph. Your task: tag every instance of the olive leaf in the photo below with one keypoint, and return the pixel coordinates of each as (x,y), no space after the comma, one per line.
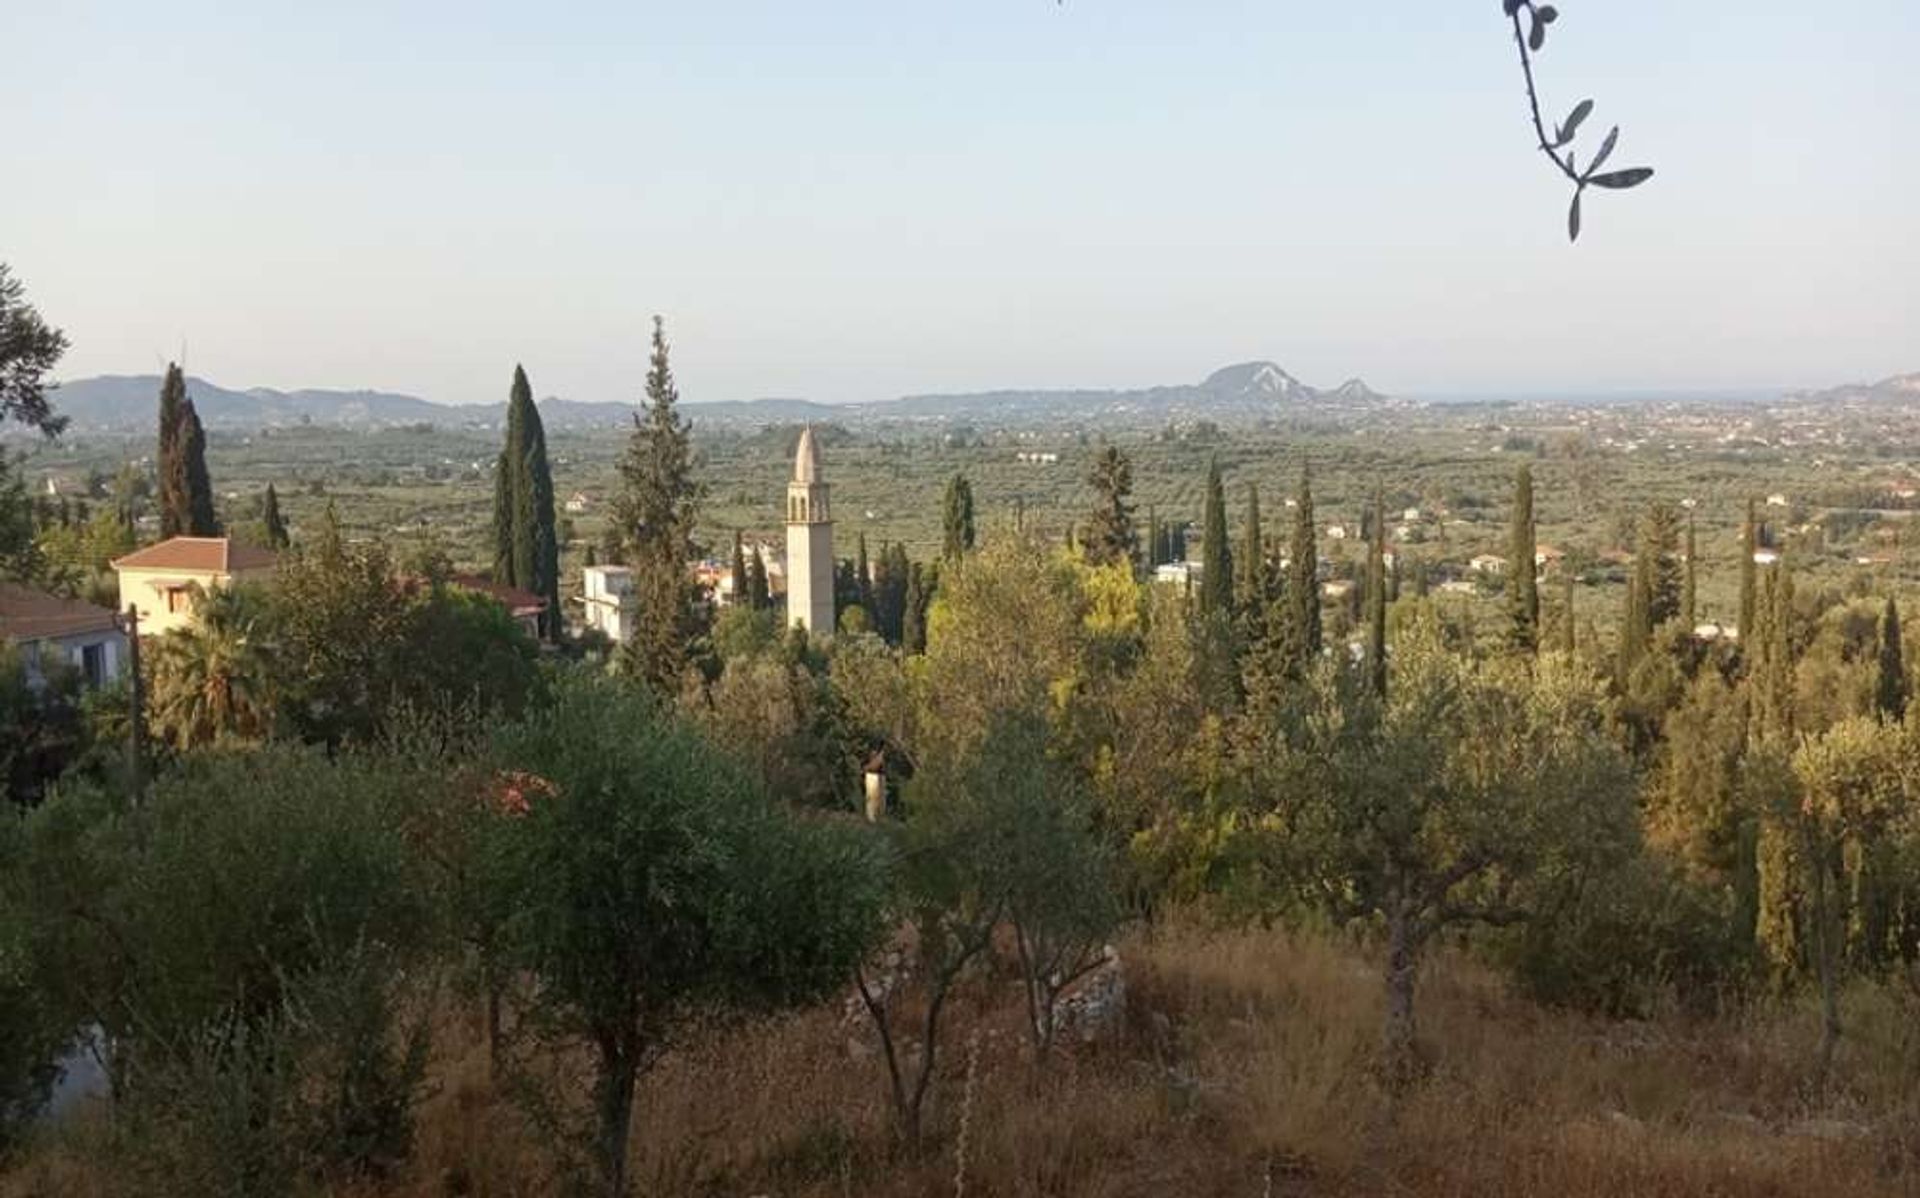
(1606,150)
(1573,218)
(1621,180)
(1576,118)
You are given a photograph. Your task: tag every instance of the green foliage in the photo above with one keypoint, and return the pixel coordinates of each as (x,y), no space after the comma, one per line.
(1630,941)
(957,519)
(20,557)
(1110,535)
(243,939)
(1892,686)
(1216,567)
(29,351)
(1523,595)
(654,516)
(42,731)
(272,524)
(186,491)
(1298,643)
(655,884)
(526,545)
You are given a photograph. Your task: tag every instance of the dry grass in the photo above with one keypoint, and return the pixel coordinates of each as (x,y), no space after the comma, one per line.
(1243,1069)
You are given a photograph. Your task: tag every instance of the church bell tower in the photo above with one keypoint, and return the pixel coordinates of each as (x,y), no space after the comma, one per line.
(809,542)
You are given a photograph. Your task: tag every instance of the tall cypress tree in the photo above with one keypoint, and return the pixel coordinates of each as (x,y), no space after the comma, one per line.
(1111,536)
(1250,563)
(863,579)
(1153,539)
(913,615)
(762,590)
(1636,623)
(1376,658)
(190,452)
(167,467)
(1523,594)
(1749,545)
(741,582)
(271,521)
(1660,545)
(1301,596)
(525,537)
(506,478)
(656,510)
(957,518)
(1216,563)
(1891,691)
(1689,595)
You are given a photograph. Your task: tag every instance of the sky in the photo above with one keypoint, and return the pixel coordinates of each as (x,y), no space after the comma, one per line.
(857,200)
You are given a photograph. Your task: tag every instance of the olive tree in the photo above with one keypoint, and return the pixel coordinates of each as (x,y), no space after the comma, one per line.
(655,883)
(1444,806)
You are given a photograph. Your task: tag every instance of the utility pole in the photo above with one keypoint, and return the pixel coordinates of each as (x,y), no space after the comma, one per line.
(137,709)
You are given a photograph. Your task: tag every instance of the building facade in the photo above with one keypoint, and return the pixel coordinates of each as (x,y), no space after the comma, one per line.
(162,580)
(809,542)
(42,626)
(607,596)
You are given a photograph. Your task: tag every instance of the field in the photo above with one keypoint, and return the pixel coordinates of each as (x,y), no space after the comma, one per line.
(1596,469)
(1241,1067)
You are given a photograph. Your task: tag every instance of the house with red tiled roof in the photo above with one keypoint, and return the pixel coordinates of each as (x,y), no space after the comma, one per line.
(162,579)
(42,625)
(525,607)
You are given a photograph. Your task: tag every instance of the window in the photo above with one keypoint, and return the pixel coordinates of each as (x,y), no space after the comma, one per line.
(179,599)
(93,663)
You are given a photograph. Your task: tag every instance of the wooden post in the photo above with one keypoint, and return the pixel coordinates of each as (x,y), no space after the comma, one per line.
(137,708)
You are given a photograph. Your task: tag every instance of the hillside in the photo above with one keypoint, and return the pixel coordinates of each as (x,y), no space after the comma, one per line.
(1251,390)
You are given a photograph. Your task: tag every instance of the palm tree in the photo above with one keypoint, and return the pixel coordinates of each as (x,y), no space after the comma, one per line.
(211,680)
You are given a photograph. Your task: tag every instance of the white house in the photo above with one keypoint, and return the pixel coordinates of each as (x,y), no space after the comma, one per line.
(1488,563)
(1175,573)
(1776,500)
(607,592)
(42,625)
(578,503)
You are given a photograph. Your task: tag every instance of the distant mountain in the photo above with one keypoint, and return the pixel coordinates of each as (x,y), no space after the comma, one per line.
(1901,388)
(1249,389)
(127,403)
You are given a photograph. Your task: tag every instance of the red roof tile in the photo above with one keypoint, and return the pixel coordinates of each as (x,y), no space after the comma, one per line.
(210,555)
(30,615)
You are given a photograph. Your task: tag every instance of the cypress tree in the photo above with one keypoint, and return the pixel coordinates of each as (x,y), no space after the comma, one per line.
(191,472)
(1890,694)
(526,539)
(957,518)
(1111,536)
(1153,539)
(506,525)
(1376,659)
(863,578)
(276,528)
(1216,568)
(762,591)
(1660,545)
(1523,594)
(1689,596)
(1749,545)
(913,615)
(741,584)
(171,480)
(1636,624)
(1301,596)
(1250,584)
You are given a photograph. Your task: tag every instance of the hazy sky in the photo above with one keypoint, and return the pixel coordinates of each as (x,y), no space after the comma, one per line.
(852,200)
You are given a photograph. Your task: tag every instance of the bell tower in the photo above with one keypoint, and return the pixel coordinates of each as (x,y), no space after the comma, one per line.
(809,542)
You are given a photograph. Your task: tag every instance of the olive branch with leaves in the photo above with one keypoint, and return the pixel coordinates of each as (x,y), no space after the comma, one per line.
(1530,23)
